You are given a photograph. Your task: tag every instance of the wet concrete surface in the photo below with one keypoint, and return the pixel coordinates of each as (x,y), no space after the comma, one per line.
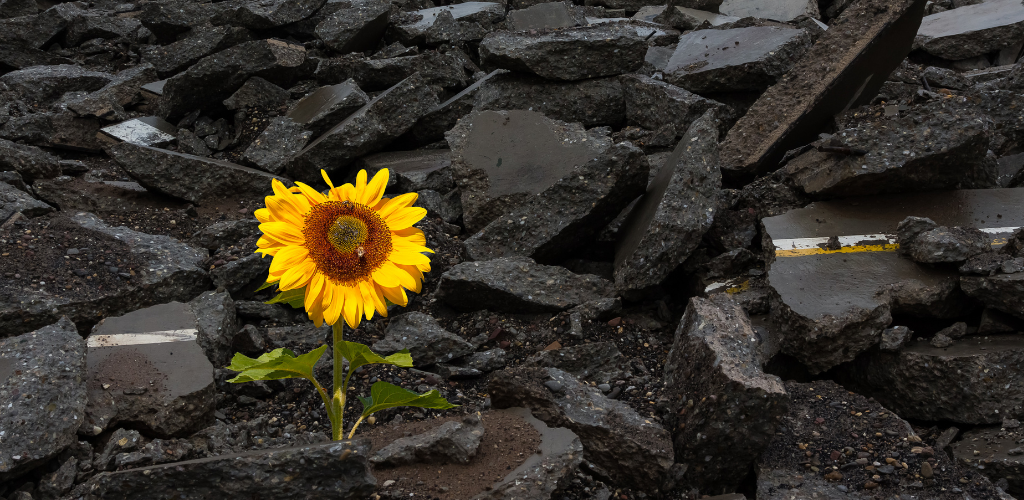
(145,131)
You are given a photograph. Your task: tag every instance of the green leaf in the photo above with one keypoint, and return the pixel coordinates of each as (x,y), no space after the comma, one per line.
(358,355)
(295,298)
(384,395)
(274,365)
(265,286)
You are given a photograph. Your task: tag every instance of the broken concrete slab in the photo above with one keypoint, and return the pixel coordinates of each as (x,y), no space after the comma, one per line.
(972,30)
(994,452)
(724,408)
(1002,291)
(355,28)
(427,341)
(146,369)
(502,159)
(549,226)
(40,30)
(144,131)
(188,177)
(776,10)
(89,27)
(617,441)
(111,99)
(382,120)
(422,25)
(176,57)
(979,384)
(592,102)
(517,285)
(259,93)
(215,325)
(735,59)
(828,324)
(569,54)
(266,14)
(18,8)
(843,69)
(435,123)
(544,16)
(410,171)
(172,271)
(326,106)
(451,442)
(599,362)
(693,16)
(215,77)
(936,145)
(654,105)
(445,70)
(45,83)
(335,470)
(30,162)
(60,129)
(14,200)
(922,240)
(242,277)
(671,218)
(277,144)
(42,391)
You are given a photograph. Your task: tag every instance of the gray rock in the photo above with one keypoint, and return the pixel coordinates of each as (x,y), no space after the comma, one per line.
(517,285)
(592,102)
(266,14)
(157,451)
(940,340)
(18,8)
(893,339)
(326,106)
(427,341)
(724,407)
(1003,292)
(381,121)
(432,126)
(217,323)
(654,105)
(994,452)
(45,83)
(445,70)
(275,313)
(919,151)
(356,28)
(449,23)
(42,396)
(776,10)
(249,341)
(14,200)
(109,101)
(61,129)
(551,225)
(972,30)
(257,92)
(945,78)
(120,441)
(486,361)
(595,361)
(619,442)
(550,15)
(502,159)
(56,484)
(569,54)
(667,224)
(144,131)
(38,30)
(448,207)
(188,177)
(339,470)
(224,233)
(735,59)
(215,77)
(965,393)
(171,272)
(90,26)
(277,144)
(922,240)
(176,57)
(451,442)
(243,276)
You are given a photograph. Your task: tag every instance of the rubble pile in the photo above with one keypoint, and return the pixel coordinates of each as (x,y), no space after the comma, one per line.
(739,249)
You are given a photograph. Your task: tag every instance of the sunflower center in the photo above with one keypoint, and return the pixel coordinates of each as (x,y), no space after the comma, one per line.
(347,241)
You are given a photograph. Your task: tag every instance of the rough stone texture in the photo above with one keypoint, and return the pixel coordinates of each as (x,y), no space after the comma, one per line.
(455,22)
(188,177)
(922,240)
(994,452)
(972,30)
(723,405)
(356,28)
(600,362)
(893,339)
(433,125)
(224,233)
(215,77)
(14,200)
(120,441)
(618,441)
(869,38)
(517,284)
(217,324)
(451,442)
(410,171)
(46,83)
(550,226)
(18,8)
(323,108)
(427,341)
(667,224)
(1004,292)
(503,159)
(110,100)
(175,57)
(29,161)
(243,276)
(776,10)
(386,117)
(937,145)
(38,30)
(92,26)
(257,92)
(735,59)
(654,105)
(61,129)
(569,54)
(592,102)
(266,14)
(173,273)
(980,380)
(486,361)
(277,144)
(60,481)
(42,396)
(336,470)
(445,70)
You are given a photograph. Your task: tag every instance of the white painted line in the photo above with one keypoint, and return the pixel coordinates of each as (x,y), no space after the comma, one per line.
(120,339)
(859,239)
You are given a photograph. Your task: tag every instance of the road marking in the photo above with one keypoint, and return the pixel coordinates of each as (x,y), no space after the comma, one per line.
(120,339)
(799,247)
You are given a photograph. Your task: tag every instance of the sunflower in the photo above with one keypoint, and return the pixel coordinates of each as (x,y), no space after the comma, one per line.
(350,249)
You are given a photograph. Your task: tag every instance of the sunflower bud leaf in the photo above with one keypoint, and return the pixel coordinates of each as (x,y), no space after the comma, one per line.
(384,395)
(277,364)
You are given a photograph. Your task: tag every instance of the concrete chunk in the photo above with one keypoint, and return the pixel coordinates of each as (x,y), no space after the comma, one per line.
(972,30)
(994,452)
(411,170)
(145,131)
(277,144)
(543,16)
(14,200)
(44,83)
(452,442)
(654,104)
(427,341)
(593,102)
(429,21)
(175,57)
(843,69)
(326,106)
(776,10)
(257,92)
(111,99)
(266,14)
(356,28)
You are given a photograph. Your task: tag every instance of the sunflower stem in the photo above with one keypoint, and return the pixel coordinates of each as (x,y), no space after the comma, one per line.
(338,401)
(355,426)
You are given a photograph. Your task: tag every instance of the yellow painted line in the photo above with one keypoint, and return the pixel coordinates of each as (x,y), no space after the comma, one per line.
(802,252)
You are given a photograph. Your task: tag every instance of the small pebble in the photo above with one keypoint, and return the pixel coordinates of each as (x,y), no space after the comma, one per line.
(553,385)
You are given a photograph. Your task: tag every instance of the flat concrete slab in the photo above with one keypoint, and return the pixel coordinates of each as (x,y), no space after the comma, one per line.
(542,16)
(972,30)
(648,13)
(776,10)
(145,131)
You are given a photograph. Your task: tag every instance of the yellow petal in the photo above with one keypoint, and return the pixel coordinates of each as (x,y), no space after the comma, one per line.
(405,217)
(377,293)
(375,189)
(262,215)
(367,300)
(313,195)
(411,235)
(360,185)
(408,258)
(298,276)
(401,245)
(396,295)
(334,300)
(350,310)
(397,203)
(287,258)
(387,275)
(415,276)
(283,232)
(327,179)
(314,299)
